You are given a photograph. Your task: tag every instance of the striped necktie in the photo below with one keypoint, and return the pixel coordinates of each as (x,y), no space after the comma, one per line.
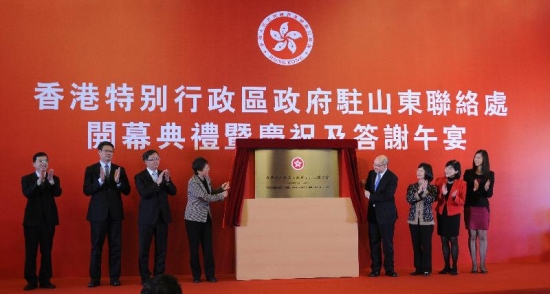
(107,173)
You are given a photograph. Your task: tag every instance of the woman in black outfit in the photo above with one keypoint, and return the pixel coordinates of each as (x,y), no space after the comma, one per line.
(480,180)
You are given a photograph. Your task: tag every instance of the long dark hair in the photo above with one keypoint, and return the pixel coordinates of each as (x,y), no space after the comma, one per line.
(485,167)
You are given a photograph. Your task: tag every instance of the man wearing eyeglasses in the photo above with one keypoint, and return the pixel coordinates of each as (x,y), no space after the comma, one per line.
(40,188)
(105,182)
(380,189)
(153,186)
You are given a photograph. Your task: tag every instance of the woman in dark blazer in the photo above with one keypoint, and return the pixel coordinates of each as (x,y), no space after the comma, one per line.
(450,202)
(420,197)
(480,181)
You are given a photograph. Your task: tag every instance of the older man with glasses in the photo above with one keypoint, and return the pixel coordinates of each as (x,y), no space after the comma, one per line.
(380,189)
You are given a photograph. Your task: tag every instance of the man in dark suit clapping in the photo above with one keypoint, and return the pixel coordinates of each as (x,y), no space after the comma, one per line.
(380,189)
(153,186)
(40,188)
(104,182)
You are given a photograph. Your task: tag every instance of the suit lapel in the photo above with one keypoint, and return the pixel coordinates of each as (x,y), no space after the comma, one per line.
(149,176)
(97,168)
(199,182)
(383,179)
(454,188)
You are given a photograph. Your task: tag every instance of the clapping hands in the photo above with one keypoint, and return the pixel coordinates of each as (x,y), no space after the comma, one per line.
(486,187)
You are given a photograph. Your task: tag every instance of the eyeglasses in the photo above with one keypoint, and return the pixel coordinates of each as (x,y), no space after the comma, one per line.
(42,161)
(108,151)
(154,159)
(378,165)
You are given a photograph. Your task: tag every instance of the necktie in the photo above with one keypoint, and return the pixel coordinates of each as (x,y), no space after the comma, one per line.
(155,176)
(106,173)
(377,181)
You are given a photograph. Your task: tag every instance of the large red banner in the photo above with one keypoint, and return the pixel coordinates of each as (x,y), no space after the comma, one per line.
(418,81)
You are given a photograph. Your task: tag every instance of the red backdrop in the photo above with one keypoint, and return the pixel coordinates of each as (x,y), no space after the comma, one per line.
(447,46)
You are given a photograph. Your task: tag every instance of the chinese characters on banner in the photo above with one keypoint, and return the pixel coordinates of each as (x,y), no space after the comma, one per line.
(206,135)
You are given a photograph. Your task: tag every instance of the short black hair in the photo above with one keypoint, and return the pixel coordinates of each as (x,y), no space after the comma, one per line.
(456,165)
(198,164)
(148,153)
(428,171)
(104,143)
(162,284)
(38,154)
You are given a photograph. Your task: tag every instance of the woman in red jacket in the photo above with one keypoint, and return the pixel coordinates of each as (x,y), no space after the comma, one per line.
(450,202)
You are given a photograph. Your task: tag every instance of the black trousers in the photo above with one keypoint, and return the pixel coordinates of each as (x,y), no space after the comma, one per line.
(112,229)
(35,236)
(146,232)
(381,234)
(421,237)
(200,233)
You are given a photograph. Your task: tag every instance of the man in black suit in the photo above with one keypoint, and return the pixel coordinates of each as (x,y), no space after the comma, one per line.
(153,186)
(104,182)
(380,188)
(40,187)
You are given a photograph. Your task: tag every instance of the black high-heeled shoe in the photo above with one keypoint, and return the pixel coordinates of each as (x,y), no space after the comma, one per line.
(454,271)
(445,270)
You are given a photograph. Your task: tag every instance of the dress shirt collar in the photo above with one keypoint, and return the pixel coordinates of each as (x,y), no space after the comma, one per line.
(151,172)
(105,163)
